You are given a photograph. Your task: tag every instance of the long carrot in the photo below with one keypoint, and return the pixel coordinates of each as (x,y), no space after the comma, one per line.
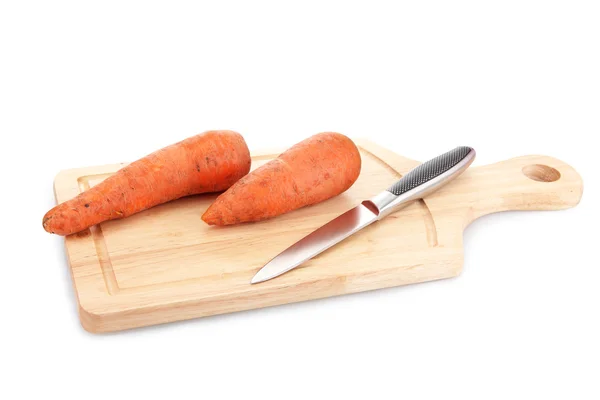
(316,169)
(208,162)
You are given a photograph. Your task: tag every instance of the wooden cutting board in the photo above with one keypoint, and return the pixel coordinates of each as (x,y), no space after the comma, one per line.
(165,264)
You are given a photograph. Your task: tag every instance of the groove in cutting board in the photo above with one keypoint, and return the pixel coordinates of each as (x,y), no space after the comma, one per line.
(110,280)
(429,224)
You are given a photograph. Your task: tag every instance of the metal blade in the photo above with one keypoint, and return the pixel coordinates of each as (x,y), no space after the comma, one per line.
(316,242)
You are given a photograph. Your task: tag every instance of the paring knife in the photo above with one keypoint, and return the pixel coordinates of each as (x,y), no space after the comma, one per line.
(418,183)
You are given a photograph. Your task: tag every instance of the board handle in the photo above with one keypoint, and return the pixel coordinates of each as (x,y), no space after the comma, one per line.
(532,182)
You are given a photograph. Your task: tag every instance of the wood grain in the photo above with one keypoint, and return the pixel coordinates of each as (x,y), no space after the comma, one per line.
(166,264)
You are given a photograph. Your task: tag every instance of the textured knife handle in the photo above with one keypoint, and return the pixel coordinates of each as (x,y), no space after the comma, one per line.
(430,170)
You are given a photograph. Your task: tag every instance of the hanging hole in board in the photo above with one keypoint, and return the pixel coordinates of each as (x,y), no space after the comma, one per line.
(541,173)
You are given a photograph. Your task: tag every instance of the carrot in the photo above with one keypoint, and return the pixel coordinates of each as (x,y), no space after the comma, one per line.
(314,170)
(208,162)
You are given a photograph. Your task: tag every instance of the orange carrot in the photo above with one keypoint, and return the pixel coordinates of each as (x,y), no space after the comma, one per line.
(208,162)
(309,172)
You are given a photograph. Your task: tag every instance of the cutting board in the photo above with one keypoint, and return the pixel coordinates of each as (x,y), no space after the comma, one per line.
(165,264)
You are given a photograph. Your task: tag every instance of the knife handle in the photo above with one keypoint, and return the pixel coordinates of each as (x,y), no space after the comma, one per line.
(422,180)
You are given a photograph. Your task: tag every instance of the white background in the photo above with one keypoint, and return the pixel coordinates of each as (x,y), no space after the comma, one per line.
(87,83)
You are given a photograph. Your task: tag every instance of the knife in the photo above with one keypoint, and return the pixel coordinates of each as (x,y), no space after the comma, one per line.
(416,184)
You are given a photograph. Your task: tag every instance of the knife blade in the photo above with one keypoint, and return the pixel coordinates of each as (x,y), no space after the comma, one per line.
(416,184)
